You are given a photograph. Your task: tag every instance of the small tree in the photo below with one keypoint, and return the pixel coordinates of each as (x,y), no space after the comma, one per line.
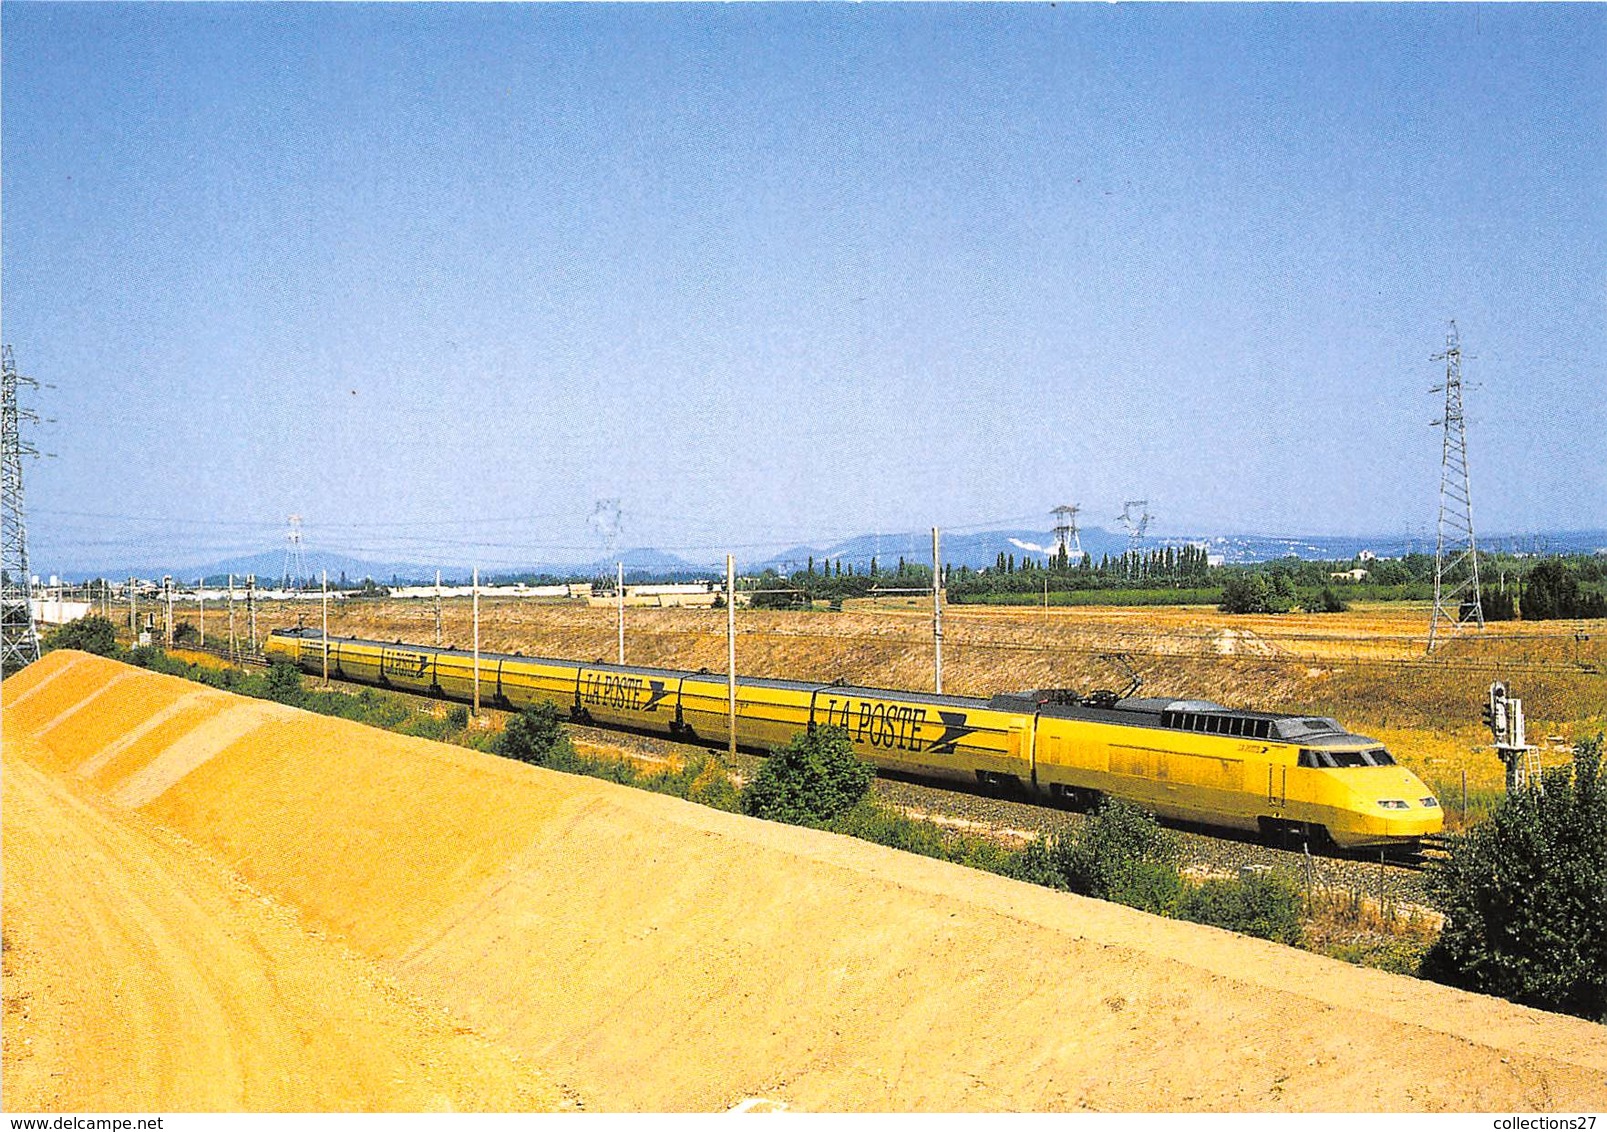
(811,780)
(284,683)
(534,734)
(1325,601)
(1525,896)
(88,634)
(1244,593)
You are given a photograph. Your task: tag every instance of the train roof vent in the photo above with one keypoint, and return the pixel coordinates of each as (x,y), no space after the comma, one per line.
(1217,720)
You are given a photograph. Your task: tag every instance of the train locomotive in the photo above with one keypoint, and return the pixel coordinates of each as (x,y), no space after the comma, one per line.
(1188,760)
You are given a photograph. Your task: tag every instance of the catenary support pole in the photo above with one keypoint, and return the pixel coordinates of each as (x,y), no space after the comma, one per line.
(251,609)
(200,601)
(731,653)
(326,627)
(234,643)
(437,609)
(476,592)
(619,593)
(937,615)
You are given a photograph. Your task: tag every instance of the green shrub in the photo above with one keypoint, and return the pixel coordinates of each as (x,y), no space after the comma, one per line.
(1256,593)
(810,781)
(1150,886)
(1326,600)
(88,634)
(457,717)
(284,683)
(1262,904)
(1525,896)
(148,656)
(535,735)
(1119,854)
(424,725)
(870,822)
(184,633)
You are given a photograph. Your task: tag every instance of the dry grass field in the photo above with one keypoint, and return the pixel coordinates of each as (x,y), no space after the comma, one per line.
(1366,667)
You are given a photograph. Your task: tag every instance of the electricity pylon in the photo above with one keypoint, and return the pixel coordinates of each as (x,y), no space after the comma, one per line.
(19,640)
(1457,601)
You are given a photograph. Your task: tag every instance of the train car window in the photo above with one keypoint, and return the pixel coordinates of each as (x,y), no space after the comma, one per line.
(1347,758)
(1263,729)
(1378,757)
(1308,758)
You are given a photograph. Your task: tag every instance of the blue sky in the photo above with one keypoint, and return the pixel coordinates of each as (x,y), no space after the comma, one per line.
(773,273)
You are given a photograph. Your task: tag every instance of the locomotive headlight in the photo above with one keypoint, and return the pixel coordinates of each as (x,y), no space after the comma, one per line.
(1392,803)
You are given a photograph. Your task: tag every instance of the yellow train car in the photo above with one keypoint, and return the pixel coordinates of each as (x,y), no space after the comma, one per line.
(943,737)
(1193,760)
(1190,760)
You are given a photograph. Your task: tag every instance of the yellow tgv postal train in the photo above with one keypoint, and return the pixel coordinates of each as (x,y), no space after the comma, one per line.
(1189,760)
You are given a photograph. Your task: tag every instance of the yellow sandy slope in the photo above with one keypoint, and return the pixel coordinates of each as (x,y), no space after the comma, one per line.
(139,974)
(653,954)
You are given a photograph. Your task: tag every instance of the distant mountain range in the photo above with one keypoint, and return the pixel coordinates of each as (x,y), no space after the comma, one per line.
(974,550)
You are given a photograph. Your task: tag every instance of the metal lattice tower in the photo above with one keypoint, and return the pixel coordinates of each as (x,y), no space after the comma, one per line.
(295,571)
(19,640)
(1067,541)
(1457,601)
(1136,526)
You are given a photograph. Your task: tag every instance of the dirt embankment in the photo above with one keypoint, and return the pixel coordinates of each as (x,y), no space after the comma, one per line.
(651,954)
(139,973)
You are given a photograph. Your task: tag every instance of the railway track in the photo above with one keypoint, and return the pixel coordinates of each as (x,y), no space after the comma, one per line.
(1396,878)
